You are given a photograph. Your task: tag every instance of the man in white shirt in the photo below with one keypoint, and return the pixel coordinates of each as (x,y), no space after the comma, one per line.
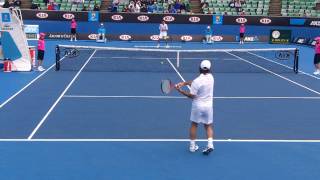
(163,27)
(201,93)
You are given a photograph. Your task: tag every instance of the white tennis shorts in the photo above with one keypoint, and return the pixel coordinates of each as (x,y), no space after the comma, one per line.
(163,34)
(202,115)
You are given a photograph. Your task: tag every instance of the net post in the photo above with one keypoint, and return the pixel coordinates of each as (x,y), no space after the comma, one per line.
(296,61)
(178,59)
(57,51)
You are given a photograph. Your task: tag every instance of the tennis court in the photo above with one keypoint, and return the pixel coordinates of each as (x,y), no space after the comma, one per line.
(103,116)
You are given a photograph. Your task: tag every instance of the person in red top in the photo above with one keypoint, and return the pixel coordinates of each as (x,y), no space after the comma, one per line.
(242,31)
(50,7)
(316,60)
(73,30)
(41,48)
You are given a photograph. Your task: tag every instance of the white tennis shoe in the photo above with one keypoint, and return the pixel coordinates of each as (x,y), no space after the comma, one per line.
(193,148)
(317,72)
(40,68)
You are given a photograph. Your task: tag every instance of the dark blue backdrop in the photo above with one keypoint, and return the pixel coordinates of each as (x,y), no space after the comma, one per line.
(189,29)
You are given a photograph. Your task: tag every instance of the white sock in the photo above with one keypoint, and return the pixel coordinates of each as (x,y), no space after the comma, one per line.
(192,143)
(210,142)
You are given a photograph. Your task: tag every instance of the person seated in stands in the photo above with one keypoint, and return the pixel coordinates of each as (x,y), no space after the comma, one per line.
(6,4)
(17,3)
(131,6)
(137,7)
(237,5)
(96,8)
(150,8)
(46,1)
(50,6)
(126,9)
(183,8)
(172,10)
(155,7)
(56,7)
(34,6)
(177,5)
(143,8)
(114,6)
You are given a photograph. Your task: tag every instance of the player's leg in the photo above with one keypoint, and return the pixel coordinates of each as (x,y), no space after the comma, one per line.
(193,136)
(209,130)
(166,40)
(40,60)
(207,120)
(316,63)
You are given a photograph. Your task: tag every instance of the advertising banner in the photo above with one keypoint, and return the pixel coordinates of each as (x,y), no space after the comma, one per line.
(280,36)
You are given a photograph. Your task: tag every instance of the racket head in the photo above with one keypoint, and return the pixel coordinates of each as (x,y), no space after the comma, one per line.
(166,86)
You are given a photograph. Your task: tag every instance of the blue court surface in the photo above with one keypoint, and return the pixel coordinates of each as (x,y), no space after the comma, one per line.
(98,119)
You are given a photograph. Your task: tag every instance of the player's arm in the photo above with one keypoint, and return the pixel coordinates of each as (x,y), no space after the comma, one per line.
(185,93)
(186,83)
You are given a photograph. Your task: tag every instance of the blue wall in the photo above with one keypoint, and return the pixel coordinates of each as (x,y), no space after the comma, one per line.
(190,29)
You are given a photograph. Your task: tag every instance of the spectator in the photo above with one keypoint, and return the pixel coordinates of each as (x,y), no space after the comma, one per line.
(6,4)
(56,7)
(126,9)
(114,6)
(150,8)
(17,3)
(131,6)
(34,6)
(50,7)
(143,8)
(137,7)
(96,8)
(46,1)
(172,9)
(177,5)
(155,7)
(183,7)
(237,5)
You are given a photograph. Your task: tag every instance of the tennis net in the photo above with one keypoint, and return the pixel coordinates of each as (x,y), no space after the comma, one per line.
(112,59)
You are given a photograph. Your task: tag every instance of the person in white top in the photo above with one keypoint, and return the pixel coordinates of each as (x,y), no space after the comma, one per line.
(163,27)
(201,93)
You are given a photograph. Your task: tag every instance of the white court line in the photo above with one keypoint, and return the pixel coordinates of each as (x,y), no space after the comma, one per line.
(60,97)
(302,72)
(196,58)
(165,140)
(182,97)
(278,75)
(175,69)
(157,47)
(30,83)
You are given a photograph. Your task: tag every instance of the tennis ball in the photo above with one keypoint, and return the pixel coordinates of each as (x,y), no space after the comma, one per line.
(161,62)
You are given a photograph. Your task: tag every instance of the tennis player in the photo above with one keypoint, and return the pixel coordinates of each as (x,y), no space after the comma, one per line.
(41,48)
(208,34)
(242,31)
(201,93)
(73,30)
(316,60)
(163,27)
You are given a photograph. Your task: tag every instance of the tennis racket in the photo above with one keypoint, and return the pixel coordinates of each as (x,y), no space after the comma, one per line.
(166,86)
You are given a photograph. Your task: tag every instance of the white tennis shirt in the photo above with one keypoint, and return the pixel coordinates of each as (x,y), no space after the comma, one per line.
(163,27)
(202,88)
